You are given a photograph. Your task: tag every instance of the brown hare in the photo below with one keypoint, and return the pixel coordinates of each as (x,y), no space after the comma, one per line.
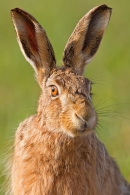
(56,151)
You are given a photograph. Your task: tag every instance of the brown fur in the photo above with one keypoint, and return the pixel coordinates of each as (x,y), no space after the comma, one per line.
(56,151)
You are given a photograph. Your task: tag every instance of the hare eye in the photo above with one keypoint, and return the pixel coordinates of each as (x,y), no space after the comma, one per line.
(54,91)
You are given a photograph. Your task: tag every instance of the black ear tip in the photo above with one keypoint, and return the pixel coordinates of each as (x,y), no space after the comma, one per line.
(19,12)
(104,6)
(15,10)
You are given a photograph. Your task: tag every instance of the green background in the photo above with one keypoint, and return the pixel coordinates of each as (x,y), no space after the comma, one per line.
(109,71)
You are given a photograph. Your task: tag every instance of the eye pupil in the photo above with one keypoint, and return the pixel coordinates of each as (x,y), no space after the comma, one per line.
(53,89)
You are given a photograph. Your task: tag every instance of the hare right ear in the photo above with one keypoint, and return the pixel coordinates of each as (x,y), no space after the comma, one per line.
(34,43)
(85,39)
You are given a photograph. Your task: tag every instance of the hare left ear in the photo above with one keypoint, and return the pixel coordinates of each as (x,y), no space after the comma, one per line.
(85,39)
(34,43)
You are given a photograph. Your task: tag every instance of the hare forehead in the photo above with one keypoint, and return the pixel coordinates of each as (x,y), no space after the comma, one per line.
(70,81)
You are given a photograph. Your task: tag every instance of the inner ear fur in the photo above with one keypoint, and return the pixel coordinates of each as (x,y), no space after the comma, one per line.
(85,39)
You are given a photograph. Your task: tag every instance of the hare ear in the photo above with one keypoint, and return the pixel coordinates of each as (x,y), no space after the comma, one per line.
(85,39)
(34,43)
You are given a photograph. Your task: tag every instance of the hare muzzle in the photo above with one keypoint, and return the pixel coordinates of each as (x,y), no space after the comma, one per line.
(84,119)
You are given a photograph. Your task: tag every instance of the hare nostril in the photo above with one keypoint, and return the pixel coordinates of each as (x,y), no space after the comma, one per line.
(85,125)
(82,122)
(80,118)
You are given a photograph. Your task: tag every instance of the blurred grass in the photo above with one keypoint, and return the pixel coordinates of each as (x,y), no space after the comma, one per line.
(109,71)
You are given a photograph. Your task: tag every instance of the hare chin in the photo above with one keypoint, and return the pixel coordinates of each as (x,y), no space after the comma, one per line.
(77,132)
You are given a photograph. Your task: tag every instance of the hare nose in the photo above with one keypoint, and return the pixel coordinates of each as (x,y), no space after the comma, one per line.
(80,118)
(82,122)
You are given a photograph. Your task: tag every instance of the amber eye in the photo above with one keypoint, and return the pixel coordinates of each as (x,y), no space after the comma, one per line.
(54,91)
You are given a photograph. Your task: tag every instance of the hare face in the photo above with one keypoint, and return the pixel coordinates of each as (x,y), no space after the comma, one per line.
(65,104)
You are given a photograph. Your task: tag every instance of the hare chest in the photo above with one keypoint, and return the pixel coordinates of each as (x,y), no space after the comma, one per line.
(52,164)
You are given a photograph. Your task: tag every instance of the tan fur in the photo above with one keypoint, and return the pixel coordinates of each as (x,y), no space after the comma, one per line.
(56,151)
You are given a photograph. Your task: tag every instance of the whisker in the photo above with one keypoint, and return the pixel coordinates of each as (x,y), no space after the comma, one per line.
(101,127)
(98,75)
(101,103)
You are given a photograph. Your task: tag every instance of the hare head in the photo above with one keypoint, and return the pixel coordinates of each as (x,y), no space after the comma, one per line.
(65,103)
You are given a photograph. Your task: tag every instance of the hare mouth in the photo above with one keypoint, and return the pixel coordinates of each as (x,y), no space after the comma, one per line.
(83,128)
(81,131)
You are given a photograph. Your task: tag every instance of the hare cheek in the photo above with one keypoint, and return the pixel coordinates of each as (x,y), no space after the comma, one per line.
(92,121)
(67,125)
(53,110)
